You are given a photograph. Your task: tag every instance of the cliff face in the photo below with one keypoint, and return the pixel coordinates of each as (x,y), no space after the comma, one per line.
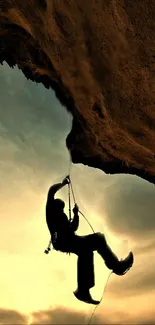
(99,57)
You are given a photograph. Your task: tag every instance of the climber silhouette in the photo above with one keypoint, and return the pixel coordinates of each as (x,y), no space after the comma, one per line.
(64,239)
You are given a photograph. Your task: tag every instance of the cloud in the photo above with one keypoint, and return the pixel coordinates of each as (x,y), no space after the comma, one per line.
(8,316)
(140,283)
(130,204)
(106,316)
(146,320)
(66,316)
(62,316)
(139,280)
(144,248)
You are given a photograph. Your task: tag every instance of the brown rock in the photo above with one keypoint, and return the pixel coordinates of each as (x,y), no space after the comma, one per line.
(99,57)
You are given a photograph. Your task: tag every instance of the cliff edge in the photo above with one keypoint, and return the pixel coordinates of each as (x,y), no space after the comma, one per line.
(99,57)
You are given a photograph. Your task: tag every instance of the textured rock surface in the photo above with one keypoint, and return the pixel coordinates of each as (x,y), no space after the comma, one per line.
(99,57)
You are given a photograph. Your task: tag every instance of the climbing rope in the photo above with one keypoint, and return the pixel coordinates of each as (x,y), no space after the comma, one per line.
(70,216)
(71,186)
(100,299)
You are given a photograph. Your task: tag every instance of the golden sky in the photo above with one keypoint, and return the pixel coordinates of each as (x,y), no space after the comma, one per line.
(36,288)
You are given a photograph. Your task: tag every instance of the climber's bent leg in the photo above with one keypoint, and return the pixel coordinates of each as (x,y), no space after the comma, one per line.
(97,242)
(111,260)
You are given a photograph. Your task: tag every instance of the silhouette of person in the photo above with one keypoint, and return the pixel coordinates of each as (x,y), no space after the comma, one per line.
(64,239)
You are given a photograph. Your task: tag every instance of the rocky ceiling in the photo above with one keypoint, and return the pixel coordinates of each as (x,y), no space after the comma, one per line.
(99,57)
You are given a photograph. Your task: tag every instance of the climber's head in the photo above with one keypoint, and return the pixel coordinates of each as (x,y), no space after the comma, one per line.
(59,205)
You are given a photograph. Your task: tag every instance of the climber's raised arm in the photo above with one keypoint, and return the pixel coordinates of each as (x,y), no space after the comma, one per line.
(56,187)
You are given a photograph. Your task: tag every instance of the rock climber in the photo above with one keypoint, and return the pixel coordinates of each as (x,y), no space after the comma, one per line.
(64,239)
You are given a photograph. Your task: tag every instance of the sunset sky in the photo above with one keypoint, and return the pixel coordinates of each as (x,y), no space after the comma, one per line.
(36,288)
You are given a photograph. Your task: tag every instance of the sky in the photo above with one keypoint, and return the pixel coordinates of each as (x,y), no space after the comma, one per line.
(36,288)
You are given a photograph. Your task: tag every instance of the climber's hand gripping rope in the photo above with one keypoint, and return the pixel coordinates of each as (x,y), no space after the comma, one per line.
(76,208)
(66,180)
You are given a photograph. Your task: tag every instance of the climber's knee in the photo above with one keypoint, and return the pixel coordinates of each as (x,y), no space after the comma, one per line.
(100,241)
(100,237)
